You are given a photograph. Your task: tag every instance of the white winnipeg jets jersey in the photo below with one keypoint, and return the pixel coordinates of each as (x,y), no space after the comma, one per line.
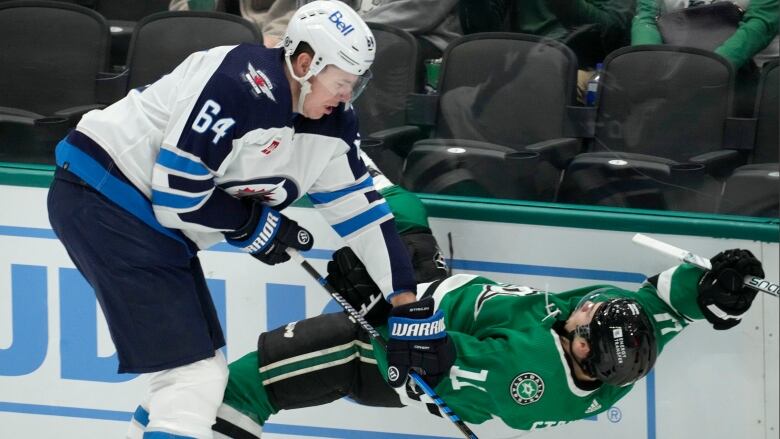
(219,128)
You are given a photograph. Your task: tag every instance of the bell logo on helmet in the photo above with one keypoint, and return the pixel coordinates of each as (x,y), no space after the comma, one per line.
(343,27)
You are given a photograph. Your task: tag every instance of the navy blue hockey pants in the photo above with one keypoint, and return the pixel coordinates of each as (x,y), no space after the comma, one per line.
(149,286)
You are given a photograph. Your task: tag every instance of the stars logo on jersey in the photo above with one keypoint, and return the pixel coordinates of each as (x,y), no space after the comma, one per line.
(259,82)
(526,388)
(491,291)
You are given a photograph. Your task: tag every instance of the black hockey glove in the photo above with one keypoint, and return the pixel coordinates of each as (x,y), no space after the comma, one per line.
(418,341)
(351,279)
(723,298)
(267,235)
(427,259)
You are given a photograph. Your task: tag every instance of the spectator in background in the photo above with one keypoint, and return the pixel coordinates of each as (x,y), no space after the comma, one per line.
(755,39)
(753,43)
(435,23)
(558,19)
(270,16)
(564,20)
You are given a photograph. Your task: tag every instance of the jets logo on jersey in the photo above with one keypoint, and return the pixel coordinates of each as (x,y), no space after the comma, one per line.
(277,192)
(526,388)
(259,82)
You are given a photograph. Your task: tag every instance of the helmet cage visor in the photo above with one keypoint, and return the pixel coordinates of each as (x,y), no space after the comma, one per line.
(346,86)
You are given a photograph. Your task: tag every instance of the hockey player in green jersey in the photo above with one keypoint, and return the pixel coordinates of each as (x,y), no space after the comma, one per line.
(524,356)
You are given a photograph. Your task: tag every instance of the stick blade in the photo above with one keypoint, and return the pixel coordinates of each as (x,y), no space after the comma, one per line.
(675,252)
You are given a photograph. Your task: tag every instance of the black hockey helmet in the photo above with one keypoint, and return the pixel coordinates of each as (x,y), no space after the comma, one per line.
(622,342)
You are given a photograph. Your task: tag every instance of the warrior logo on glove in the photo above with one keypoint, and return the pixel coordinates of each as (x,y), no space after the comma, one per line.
(268,234)
(303,237)
(418,341)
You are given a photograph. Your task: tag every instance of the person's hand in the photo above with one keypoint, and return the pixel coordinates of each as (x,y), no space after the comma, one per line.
(268,234)
(418,340)
(427,259)
(351,279)
(723,297)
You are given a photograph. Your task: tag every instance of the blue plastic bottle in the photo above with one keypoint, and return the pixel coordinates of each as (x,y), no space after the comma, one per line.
(592,89)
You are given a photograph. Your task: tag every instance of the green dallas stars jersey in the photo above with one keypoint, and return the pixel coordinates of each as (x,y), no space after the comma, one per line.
(510,362)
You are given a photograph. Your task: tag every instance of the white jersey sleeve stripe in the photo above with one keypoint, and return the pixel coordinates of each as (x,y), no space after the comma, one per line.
(361,220)
(186,165)
(327,197)
(174,201)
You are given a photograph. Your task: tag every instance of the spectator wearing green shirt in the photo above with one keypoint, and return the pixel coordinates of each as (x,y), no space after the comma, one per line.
(756,31)
(564,20)
(753,43)
(558,19)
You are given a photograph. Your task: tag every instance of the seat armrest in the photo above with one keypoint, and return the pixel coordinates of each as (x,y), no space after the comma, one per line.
(720,163)
(398,139)
(18,113)
(73,114)
(559,152)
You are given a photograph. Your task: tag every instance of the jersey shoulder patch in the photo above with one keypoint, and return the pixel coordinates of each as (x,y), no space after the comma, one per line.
(264,92)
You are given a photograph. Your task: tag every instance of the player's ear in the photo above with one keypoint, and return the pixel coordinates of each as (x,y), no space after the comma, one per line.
(302,64)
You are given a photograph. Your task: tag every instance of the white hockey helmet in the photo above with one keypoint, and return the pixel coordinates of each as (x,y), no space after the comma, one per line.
(338,37)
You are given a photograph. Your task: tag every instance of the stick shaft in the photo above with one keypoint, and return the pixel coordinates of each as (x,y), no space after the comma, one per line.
(753,282)
(352,312)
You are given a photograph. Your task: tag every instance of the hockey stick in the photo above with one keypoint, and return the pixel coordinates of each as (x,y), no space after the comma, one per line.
(753,282)
(378,338)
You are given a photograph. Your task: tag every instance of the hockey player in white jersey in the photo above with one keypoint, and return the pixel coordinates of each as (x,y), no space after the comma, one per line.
(216,150)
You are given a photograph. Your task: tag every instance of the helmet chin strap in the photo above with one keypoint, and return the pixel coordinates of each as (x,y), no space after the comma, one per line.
(305,85)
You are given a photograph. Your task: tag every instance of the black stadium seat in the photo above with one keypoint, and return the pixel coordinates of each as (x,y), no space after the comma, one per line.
(637,181)
(122,16)
(664,111)
(754,189)
(161,41)
(664,101)
(397,72)
(504,93)
(51,54)
(436,166)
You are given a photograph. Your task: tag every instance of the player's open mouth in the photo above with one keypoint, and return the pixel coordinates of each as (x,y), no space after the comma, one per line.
(329,108)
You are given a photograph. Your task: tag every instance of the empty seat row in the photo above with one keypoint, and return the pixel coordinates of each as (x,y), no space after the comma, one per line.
(54,65)
(506,124)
